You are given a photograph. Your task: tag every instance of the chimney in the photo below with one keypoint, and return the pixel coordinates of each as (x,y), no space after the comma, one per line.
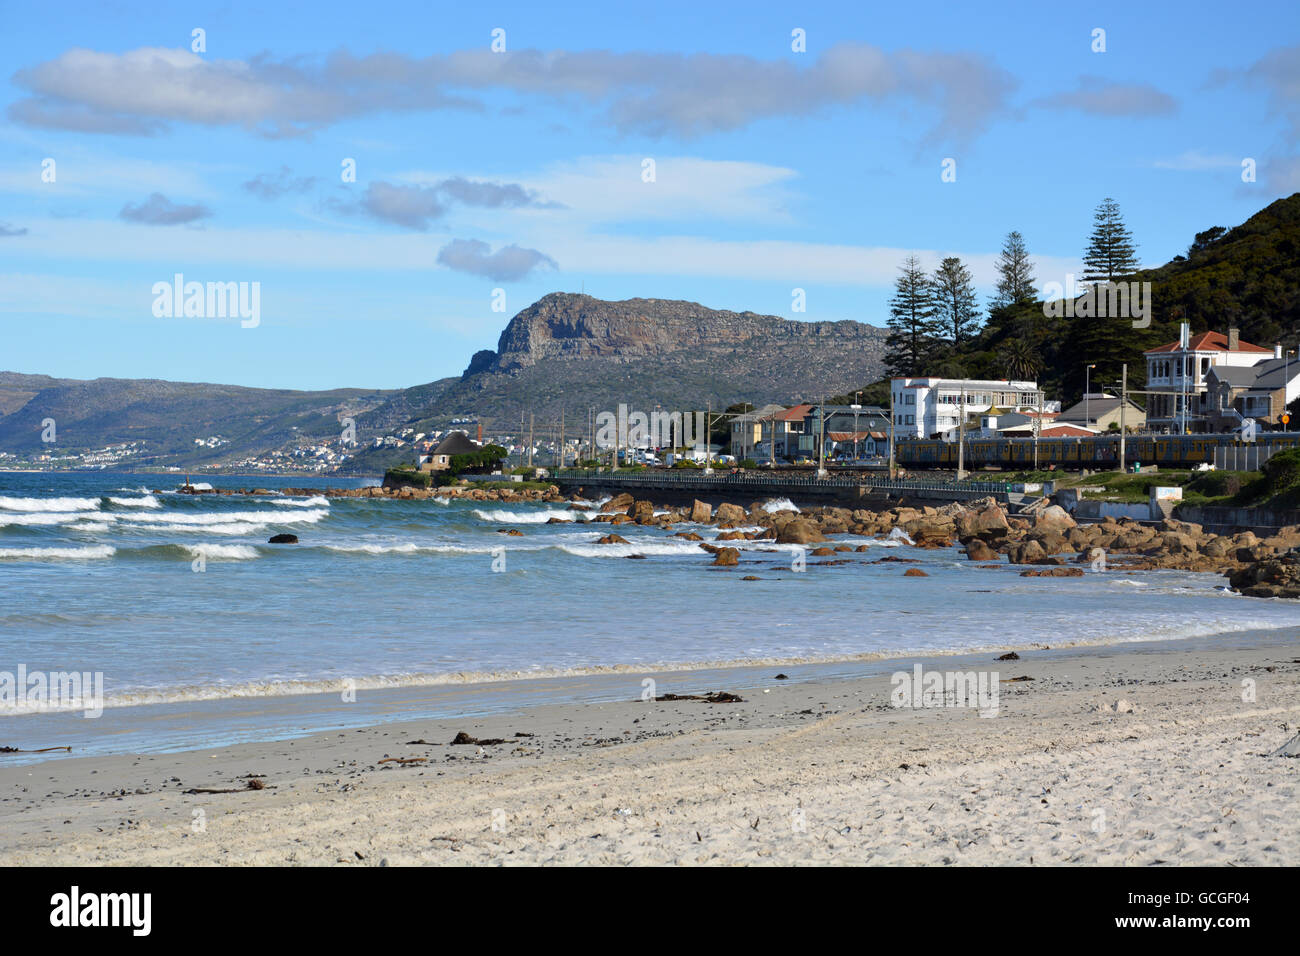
(1234,339)
(480,433)
(1277,350)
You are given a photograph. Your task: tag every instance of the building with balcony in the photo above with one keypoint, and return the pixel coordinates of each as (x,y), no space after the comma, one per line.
(935,407)
(1177,377)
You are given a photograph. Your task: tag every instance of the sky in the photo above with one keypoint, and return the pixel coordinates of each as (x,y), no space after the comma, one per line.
(398,180)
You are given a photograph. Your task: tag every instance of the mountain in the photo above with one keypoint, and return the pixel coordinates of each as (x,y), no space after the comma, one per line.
(167,417)
(573,352)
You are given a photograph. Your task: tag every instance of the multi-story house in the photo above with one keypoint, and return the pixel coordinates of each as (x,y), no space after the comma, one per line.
(1177,377)
(934,407)
(1261,392)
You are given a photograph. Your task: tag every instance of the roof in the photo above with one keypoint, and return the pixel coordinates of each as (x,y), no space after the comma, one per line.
(1094,408)
(1061,430)
(457,443)
(1270,374)
(853,436)
(758,414)
(1209,342)
(793,414)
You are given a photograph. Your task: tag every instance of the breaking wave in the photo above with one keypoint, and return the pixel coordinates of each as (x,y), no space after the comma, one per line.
(49,504)
(28,554)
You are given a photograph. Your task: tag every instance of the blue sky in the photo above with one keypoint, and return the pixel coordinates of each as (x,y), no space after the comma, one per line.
(522,170)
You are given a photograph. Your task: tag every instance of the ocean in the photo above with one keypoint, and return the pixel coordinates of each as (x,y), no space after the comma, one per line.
(205,634)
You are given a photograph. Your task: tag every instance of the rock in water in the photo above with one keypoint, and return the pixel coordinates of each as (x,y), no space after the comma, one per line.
(282,539)
(726,557)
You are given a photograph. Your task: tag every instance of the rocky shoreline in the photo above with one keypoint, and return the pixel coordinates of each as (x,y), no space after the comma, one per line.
(1049,543)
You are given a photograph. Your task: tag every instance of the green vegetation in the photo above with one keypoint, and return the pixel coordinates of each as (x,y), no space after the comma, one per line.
(408,475)
(476,461)
(512,485)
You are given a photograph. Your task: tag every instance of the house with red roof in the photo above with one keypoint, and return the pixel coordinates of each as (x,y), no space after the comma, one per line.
(1178,376)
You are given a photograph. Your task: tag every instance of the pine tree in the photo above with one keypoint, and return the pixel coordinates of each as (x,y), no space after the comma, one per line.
(912,329)
(1015,273)
(1111,252)
(955,308)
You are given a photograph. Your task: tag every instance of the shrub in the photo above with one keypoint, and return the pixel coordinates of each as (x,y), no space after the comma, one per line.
(1283,470)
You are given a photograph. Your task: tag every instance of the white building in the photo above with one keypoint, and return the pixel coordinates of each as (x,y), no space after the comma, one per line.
(932,407)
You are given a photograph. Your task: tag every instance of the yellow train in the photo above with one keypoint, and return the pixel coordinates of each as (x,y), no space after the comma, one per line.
(1100,451)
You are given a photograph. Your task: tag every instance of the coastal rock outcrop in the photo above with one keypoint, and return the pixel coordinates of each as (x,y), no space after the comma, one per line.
(1272,577)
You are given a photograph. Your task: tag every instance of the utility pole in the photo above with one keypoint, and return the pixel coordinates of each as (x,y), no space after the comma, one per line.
(821,442)
(1123,400)
(561,436)
(892,469)
(708,439)
(530,439)
(1038,425)
(961,434)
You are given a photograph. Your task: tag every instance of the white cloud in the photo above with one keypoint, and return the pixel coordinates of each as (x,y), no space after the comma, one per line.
(142,91)
(1196,160)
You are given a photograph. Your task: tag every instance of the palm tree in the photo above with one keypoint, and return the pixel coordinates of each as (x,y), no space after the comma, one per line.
(1019,359)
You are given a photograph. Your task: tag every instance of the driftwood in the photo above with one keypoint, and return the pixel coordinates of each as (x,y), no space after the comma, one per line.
(42,750)
(404,760)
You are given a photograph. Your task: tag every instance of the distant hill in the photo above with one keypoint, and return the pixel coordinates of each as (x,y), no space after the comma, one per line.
(575,351)
(168,416)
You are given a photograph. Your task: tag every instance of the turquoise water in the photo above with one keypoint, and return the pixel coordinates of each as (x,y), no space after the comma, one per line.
(178,600)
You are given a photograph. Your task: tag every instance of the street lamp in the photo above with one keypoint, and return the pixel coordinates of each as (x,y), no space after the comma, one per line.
(1087,378)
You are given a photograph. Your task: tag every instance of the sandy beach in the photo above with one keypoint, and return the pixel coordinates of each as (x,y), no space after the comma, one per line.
(1127,755)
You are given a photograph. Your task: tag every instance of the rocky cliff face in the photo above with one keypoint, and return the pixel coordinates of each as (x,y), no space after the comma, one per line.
(565,354)
(566,326)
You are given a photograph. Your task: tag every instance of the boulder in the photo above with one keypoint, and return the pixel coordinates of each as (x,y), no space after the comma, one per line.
(1026,552)
(799,531)
(701,512)
(642,512)
(989,522)
(612,539)
(915,573)
(1055,518)
(978,550)
(1272,577)
(728,513)
(282,539)
(619,503)
(726,557)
